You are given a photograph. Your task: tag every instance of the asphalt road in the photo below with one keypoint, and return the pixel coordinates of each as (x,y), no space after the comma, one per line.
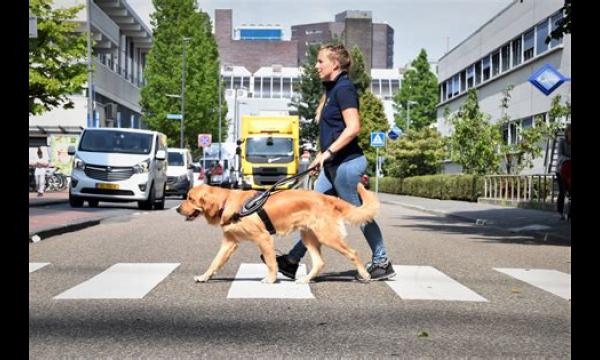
(180,319)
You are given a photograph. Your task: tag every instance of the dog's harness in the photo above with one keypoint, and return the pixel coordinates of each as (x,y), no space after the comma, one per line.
(256,203)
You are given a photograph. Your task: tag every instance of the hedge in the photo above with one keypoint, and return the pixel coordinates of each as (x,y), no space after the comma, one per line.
(444,187)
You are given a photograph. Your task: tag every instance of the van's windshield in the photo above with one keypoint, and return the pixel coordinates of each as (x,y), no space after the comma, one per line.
(116,142)
(175,159)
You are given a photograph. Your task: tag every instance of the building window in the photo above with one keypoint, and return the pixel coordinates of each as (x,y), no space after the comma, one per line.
(528,45)
(286,90)
(470,76)
(527,122)
(237,82)
(385,89)
(375,87)
(478,73)
(516,51)
(485,66)
(257,90)
(246,82)
(449,88)
(541,32)
(276,87)
(266,87)
(505,54)
(463,81)
(395,86)
(444,91)
(554,20)
(496,63)
(455,85)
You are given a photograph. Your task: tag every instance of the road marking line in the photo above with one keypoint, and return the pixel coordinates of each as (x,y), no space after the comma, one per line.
(36,266)
(247,285)
(428,283)
(555,282)
(121,281)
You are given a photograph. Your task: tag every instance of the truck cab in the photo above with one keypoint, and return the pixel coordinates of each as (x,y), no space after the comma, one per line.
(269,150)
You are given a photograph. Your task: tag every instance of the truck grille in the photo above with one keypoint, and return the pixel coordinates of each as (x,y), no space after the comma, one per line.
(268,175)
(108,173)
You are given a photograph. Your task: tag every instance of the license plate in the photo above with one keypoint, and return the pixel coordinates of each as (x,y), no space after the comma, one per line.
(107,186)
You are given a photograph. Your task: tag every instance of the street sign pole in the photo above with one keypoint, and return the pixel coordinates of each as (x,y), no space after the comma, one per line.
(377,172)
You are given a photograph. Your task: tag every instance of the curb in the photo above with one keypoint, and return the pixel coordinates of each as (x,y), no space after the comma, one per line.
(48,202)
(540,235)
(43,234)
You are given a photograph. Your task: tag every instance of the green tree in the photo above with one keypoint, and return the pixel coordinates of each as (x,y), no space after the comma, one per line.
(372,118)
(416,153)
(173,21)
(57,66)
(308,95)
(357,73)
(419,85)
(474,140)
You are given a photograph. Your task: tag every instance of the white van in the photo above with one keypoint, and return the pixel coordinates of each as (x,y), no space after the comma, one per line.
(119,165)
(180,173)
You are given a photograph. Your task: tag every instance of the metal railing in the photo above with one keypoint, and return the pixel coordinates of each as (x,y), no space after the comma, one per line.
(538,188)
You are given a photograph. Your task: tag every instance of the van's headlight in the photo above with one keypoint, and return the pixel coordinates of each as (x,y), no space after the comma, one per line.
(78,163)
(142,167)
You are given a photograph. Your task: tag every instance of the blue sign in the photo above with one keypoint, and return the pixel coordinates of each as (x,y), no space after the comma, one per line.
(547,79)
(394,133)
(174,116)
(377,138)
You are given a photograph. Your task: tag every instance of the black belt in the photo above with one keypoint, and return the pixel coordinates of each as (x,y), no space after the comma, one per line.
(266,220)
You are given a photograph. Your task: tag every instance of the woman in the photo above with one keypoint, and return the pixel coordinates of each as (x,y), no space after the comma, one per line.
(341,159)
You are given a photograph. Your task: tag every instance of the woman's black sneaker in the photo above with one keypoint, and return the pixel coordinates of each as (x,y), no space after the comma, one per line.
(381,271)
(284,266)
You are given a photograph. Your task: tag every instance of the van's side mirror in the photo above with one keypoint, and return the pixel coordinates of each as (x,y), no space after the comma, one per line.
(71,150)
(161,155)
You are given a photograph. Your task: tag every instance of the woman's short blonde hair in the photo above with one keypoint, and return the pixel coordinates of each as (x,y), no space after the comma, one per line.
(339,53)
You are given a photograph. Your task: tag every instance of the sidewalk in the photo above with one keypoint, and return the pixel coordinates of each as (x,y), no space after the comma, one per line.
(45,222)
(543,225)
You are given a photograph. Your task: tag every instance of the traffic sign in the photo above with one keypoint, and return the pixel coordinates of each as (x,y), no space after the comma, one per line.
(174,116)
(377,138)
(394,133)
(204,140)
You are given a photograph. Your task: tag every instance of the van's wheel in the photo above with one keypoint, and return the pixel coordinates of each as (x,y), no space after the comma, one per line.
(147,205)
(93,203)
(75,201)
(160,205)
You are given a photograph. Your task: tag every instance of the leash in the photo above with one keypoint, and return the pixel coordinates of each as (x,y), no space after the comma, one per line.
(256,202)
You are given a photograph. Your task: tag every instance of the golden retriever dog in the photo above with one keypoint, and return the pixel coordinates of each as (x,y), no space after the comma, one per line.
(319,218)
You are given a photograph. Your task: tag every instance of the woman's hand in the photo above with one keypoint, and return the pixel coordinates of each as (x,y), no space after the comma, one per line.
(318,162)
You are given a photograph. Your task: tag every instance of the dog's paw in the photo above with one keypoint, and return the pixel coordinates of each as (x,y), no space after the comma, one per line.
(201,278)
(303,280)
(268,280)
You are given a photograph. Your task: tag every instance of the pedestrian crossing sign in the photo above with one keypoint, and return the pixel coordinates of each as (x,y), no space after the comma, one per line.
(377,138)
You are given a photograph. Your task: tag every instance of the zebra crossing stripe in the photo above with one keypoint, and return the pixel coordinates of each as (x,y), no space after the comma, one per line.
(121,281)
(247,285)
(428,283)
(552,281)
(36,266)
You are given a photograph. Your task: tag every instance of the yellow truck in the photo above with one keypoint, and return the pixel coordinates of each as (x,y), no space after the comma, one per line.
(269,150)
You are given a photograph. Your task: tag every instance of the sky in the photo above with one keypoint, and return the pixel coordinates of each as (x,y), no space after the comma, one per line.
(434,25)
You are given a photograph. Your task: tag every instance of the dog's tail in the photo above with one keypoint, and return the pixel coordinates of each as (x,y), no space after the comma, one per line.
(357,215)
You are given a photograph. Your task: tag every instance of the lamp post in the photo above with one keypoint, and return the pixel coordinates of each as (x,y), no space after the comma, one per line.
(219,89)
(89,62)
(185,40)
